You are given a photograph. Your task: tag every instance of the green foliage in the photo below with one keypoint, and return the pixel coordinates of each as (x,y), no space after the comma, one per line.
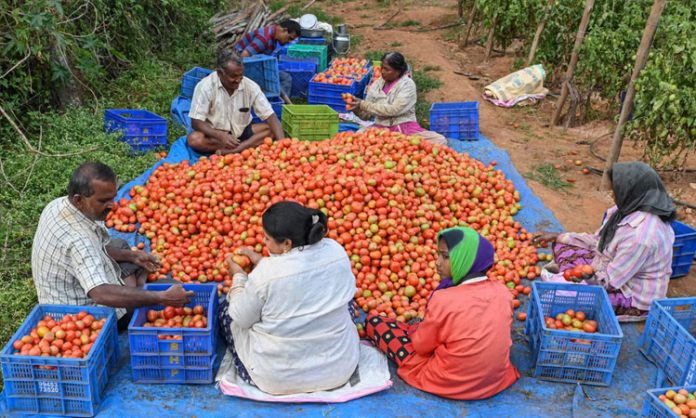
(374,55)
(514,18)
(410,22)
(83,45)
(547,175)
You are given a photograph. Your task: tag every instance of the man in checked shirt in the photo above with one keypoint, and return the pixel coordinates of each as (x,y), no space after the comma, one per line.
(73,260)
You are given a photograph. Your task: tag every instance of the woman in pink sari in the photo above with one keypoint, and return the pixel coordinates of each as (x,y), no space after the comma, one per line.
(391,100)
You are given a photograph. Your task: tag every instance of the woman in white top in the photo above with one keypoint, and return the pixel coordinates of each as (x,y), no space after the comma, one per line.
(287,323)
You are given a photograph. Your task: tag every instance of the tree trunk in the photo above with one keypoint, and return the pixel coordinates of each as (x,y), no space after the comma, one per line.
(67,90)
(627,108)
(469,24)
(537,35)
(491,37)
(573,61)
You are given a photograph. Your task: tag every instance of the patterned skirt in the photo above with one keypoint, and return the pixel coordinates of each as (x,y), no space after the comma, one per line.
(225,322)
(390,336)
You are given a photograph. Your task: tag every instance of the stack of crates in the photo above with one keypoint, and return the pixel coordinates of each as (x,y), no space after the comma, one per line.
(306,51)
(175,355)
(60,386)
(569,356)
(144,131)
(263,70)
(456,120)
(322,91)
(301,70)
(191,79)
(310,122)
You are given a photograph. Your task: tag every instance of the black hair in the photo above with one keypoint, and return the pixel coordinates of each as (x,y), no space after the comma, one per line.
(290,220)
(225,56)
(397,61)
(82,177)
(291,26)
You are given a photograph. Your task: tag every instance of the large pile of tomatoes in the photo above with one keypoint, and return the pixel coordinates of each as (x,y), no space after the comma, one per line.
(71,337)
(386,196)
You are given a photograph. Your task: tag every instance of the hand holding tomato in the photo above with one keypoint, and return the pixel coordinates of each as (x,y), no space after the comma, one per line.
(543,238)
(249,252)
(175,296)
(146,260)
(232,267)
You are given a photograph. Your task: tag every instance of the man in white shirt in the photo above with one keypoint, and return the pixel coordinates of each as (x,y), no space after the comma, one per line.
(221,110)
(73,260)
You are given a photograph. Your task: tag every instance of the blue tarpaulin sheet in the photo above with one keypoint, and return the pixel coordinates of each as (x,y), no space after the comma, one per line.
(528,397)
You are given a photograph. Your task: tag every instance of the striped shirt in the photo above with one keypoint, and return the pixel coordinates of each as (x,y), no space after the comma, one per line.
(68,256)
(260,41)
(637,261)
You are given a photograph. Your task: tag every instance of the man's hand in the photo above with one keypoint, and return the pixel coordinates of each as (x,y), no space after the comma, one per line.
(146,260)
(228,141)
(175,296)
(249,252)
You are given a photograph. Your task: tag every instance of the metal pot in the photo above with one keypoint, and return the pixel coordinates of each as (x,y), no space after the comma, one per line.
(311,33)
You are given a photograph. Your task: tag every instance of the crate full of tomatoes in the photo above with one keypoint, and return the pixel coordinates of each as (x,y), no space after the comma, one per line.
(59,360)
(175,345)
(573,333)
(675,402)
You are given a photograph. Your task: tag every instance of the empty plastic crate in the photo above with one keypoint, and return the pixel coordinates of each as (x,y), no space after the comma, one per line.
(301,71)
(330,94)
(668,339)
(191,78)
(276,104)
(684,248)
(304,51)
(653,407)
(310,122)
(263,70)
(456,120)
(567,356)
(190,358)
(60,386)
(142,130)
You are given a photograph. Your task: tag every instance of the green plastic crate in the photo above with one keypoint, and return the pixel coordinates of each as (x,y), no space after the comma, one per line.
(310,122)
(305,51)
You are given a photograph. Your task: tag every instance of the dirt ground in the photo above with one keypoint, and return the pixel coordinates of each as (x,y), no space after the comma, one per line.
(523,132)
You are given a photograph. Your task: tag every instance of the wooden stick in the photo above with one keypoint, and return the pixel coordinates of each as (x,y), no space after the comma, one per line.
(469,24)
(449,25)
(491,33)
(307,6)
(573,60)
(537,35)
(627,108)
(388,20)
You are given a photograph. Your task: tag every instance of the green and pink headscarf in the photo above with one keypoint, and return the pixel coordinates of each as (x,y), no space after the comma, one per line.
(470,254)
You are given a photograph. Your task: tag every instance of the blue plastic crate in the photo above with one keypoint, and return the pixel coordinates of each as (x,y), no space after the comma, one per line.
(568,356)
(60,386)
(263,70)
(179,110)
(330,94)
(184,369)
(653,407)
(142,130)
(684,248)
(301,71)
(144,340)
(276,104)
(456,120)
(191,79)
(668,339)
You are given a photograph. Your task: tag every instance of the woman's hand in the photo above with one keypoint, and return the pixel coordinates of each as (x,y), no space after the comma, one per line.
(352,102)
(543,238)
(249,252)
(232,267)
